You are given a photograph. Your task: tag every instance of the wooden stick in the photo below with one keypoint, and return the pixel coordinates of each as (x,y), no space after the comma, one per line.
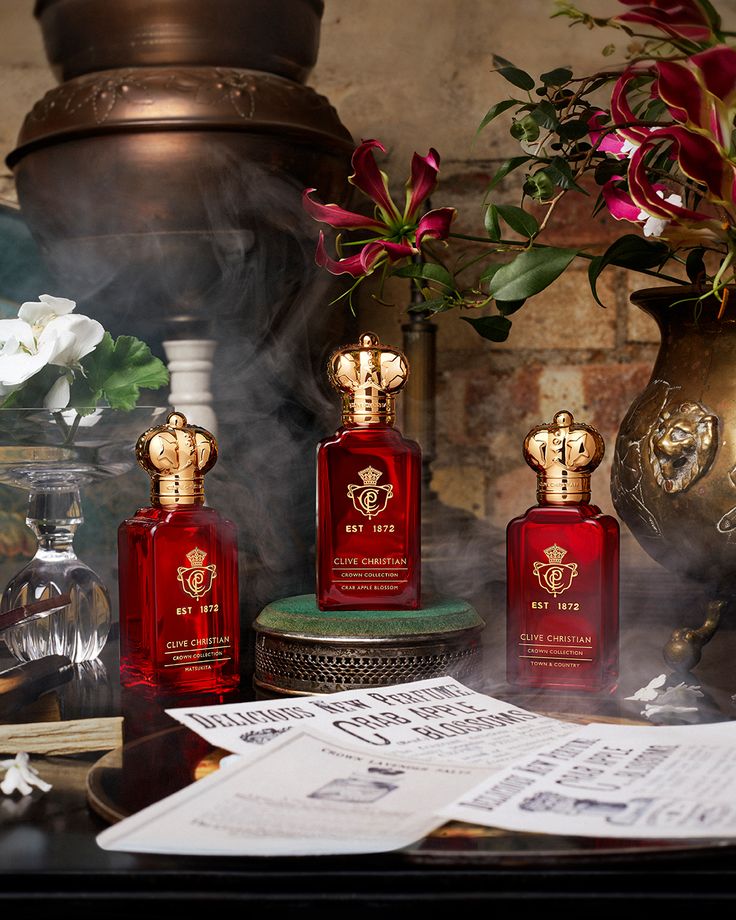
(71,737)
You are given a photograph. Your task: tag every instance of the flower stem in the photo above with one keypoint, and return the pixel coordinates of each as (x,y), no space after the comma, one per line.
(518,247)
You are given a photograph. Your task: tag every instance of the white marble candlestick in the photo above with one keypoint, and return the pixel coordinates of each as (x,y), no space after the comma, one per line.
(190,364)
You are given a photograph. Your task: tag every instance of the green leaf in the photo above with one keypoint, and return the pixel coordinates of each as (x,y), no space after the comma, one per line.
(518,219)
(561,174)
(494,328)
(530,272)
(436,305)
(505,168)
(545,115)
(574,130)
(428,271)
(556,77)
(694,265)
(713,16)
(490,221)
(629,251)
(496,110)
(513,74)
(507,307)
(117,370)
(490,272)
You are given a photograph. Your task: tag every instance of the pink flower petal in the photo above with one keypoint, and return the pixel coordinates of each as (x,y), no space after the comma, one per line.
(677,18)
(681,93)
(397,251)
(435,225)
(370,180)
(619,202)
(607,141)
(336,216)
(718,69)
(621,113)
(362,263)
(423,181)
(644,193)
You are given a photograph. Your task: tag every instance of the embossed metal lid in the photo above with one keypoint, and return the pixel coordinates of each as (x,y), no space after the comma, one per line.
(563,454)
(181,98)
(369,375)
(176,456)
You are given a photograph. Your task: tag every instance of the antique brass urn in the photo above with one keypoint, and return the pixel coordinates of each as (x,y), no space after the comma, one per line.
(674,471)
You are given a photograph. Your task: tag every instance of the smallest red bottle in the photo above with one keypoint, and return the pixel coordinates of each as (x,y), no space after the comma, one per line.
(563,569)
(178,572)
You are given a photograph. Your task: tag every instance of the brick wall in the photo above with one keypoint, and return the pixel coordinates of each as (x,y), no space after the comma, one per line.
(425,79)
(418,74)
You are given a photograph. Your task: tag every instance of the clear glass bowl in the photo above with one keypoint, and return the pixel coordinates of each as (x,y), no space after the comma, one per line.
(50,455)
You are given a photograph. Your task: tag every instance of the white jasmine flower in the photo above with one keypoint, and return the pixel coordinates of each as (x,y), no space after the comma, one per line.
(655,226)
(21,777)
(651,691)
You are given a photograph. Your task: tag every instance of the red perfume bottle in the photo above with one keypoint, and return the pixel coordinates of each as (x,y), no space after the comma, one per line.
(178,572)
(368,489)
(562,569)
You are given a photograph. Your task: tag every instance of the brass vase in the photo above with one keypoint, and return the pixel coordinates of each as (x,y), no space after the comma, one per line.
(674,471)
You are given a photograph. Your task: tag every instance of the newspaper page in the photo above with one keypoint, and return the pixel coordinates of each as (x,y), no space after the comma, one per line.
(435,720)
(617,781)
(303,796)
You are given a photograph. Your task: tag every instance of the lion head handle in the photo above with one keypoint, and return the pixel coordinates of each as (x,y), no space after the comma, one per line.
(682,446)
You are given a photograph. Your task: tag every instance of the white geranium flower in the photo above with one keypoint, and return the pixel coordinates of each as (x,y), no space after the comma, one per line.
(45,333)
(58,396)
(39,313)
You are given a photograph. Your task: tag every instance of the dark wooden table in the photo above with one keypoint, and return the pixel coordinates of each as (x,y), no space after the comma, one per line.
(49,858)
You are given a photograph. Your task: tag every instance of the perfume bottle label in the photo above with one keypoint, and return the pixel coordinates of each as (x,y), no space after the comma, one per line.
(196,578)
(554,575)
(370,498)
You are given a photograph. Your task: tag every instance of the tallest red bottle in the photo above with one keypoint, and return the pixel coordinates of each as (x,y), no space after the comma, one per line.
(368,489)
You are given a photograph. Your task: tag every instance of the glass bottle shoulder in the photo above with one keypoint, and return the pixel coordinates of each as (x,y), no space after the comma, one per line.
(187,516)
(386,437)
(563,515)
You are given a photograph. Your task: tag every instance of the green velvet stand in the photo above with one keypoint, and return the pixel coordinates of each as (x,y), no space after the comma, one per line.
(301,649)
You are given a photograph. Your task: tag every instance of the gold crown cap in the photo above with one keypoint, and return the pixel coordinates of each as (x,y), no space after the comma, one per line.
(563,454)
(176,456)
(369,375)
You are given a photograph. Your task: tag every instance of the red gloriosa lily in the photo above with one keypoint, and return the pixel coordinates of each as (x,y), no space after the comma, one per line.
(397,234)
(683,19)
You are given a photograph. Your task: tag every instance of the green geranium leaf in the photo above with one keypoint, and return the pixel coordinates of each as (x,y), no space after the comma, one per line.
(518,219)
(496,110)
(428,271)
(513,74)
(629,251)
(116,371)
(494,328)
(530,272)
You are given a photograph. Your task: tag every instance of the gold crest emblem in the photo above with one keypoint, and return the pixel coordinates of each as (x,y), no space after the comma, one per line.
(196,578)
(370,498)
(554,575)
